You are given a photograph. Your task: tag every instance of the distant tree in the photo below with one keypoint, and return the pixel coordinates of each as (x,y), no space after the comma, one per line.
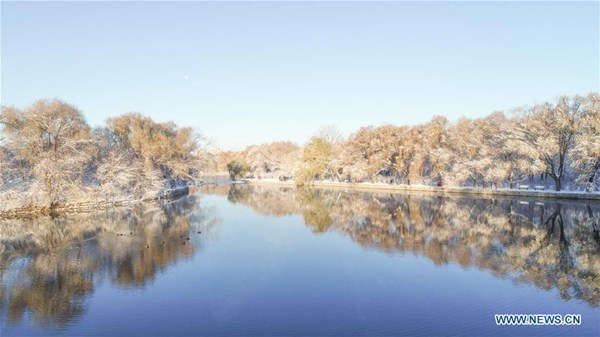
(315,157)
(330,134)
(374,152)
(333,136)
(350,165)
(271,160)
(221,158)
(237,169)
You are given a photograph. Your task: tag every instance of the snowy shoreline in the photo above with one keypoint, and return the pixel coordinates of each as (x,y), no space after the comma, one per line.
(572,195)
(87,206)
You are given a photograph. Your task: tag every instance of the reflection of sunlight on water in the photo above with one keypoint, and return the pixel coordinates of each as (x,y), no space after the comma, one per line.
(49,266)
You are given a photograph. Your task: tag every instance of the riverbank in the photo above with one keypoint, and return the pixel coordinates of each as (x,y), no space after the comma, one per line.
(438,190)
(87,206)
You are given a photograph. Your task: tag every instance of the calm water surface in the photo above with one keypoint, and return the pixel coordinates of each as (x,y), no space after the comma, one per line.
(246,260)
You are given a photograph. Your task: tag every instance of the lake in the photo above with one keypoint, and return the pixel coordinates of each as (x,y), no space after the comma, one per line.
(251,260)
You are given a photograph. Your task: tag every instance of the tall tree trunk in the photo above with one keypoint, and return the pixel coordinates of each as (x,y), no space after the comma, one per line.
(592,177)
(557,183)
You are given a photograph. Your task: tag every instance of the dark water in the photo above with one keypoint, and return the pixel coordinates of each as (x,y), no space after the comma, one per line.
(276,261)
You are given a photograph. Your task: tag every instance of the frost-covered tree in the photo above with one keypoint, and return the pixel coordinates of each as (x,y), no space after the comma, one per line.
(52,139)
(472,159)
(545,132)
(435,155)
(556,140)
(163,146)
(51,157)
(272,160)
(372,153)
(121,175)
(410,163)
(586,151)
(4,166)
(331,134)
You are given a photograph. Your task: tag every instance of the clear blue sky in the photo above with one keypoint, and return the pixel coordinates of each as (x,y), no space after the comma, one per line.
(253,72)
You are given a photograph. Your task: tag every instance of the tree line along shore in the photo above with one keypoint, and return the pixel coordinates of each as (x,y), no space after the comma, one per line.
(51,159)
(550,146)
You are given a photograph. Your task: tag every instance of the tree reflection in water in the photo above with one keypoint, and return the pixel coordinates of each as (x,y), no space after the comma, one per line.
(550,244)
(49,265)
